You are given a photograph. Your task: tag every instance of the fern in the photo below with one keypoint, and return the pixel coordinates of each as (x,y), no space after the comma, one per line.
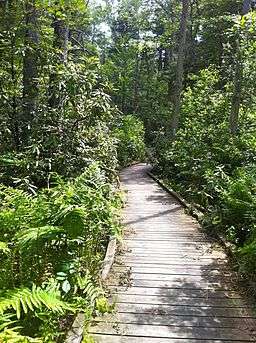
(10,333)
(6,320)
(24,299)
(13,336)
(89,289)
(72,218)
(28,238)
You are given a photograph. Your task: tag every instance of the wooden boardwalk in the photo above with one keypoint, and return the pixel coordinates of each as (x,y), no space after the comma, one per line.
(170,282)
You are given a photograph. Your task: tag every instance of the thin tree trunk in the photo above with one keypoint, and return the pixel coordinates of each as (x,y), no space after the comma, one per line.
(14,115)
(136,84)
(61,37)
(160,58)
(238,80)
(30,70)
(236,97)
(8,10)
(178,86)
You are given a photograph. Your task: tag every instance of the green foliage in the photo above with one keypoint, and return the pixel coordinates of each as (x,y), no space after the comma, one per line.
(87,286)
(130,136)
(211,167)
(13,336)
(24,300)
(58,233)
(33,237)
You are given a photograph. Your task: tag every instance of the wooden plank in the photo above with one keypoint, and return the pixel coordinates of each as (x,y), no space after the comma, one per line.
(177,292)
(178,321)
(179,240)
(144,263)
(177,284)
(181,278)
(167,238)
(196,311)
(105,338)
(169,260)
(166,299)
(175,269)
(178,253)
(162,331)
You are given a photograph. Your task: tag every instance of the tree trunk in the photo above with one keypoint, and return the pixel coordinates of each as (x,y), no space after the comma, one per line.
(236,97)
(136,83)
(61,37)
(8,11)
(178,85)
(238,79)
(30,70)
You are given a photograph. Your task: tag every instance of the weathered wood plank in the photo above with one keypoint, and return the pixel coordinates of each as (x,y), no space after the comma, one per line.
(104,338)
(166,299)
(181,278)
(179,321)
(185,284)
(183,310)
(170,260)
(177,292)
(162,331)
(175,269)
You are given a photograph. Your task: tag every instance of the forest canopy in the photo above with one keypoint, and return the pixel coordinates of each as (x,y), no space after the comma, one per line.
(89,87)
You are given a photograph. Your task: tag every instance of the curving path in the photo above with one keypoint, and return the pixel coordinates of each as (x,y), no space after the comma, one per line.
(170,282)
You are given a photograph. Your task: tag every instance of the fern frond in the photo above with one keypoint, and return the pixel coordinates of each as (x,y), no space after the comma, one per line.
(28,238)
(89,289)
(23,299)
(72,218)
(13,336)
(6,320)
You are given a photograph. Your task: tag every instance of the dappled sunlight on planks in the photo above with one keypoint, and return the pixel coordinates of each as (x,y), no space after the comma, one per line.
(171,283)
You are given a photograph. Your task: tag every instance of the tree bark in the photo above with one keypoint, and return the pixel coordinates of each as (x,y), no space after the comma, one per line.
(30,70)
(61,38)
(178,85)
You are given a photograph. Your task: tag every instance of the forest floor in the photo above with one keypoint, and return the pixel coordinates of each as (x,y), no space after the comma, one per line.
(171,283)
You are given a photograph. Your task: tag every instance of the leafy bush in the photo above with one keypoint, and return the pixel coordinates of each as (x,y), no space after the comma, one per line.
(130,140)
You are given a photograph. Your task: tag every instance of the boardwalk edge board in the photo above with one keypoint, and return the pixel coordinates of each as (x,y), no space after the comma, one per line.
(75,334)
(194,212)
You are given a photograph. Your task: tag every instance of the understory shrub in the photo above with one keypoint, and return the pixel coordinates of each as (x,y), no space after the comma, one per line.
(130,140)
